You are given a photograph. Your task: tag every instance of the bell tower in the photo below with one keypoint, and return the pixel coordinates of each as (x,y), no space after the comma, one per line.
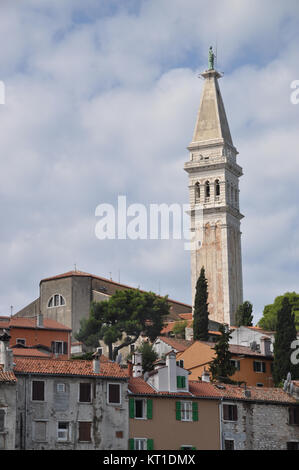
(214,203)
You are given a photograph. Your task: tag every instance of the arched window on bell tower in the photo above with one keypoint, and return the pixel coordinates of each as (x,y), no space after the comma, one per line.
(207,189)
(197,192)
(217,188)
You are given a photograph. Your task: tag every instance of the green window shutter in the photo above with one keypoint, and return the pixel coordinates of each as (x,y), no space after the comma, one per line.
(149,409)
(178,381)
(178,410)
(132,408)
(183,382)
(131,444)
(194,411)
(150,444)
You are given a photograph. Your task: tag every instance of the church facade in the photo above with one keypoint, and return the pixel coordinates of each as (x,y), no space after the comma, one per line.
(214,175)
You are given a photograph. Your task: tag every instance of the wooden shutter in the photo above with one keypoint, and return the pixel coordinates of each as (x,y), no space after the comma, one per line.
(150,444)
(234,413)
(178,381)
(2,415)
(178,410)
(64,347)
(194,411)
(114,393)
(149,409)
(132,407)
(263,366)
(131,444)
(183,379)
(38,390)
(84,431)
(85,393)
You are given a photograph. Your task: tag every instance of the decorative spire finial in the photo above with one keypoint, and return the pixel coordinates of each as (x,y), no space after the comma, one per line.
(211,59)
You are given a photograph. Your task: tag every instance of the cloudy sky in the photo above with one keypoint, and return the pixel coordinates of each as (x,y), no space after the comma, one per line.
(101,100)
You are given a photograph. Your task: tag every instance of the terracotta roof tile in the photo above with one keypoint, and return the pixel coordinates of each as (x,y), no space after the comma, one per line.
(177,344)
(7,377)
(30,322)
(67,367)
(264,394)
(29,352)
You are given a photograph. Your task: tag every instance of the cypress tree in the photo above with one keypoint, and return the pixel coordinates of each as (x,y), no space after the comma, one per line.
(201,313)
(221,367)
(244,315)
(284,336)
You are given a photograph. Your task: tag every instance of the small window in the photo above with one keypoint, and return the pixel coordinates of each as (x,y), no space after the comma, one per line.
(84,431)
(85,392)
(207,189)
(59,347)
(40,431)
(292,445)
(230,413)
(21,341)
(217,188)
(63,431)
(186,411)
(181,381)
(60,388)
(197,192)
(180,363)
(140,444)
(114,394)
(132,348)
(38,390)
(139,409)
(294,415)
(229,444)
(236,364)
(259,366)
(56,300)
(2,420)
(259,384)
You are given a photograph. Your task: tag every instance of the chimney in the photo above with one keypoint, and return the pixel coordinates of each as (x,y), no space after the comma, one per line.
(130,369)
(40,321)
(6,354)
(266,346)
(137,364)
(96,363)
(205,376)
(171,371)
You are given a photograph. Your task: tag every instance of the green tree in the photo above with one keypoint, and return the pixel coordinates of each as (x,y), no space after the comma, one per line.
(244,315)
(201,313)
(123,318)
(285,334)
(269,318)
(149,356)
(179,329)
(221,367)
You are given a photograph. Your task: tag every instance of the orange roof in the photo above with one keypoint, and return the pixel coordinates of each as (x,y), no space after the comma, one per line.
(186,316)
(30,352)
(265,394)
(67,367)
(7,377)
(30,322)
(177,344)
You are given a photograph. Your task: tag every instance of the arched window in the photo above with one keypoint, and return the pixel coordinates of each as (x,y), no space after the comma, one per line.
(197,192)
(217,188)
(56,300)
(207,189)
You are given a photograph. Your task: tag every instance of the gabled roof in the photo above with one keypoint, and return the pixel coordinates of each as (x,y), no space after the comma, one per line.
(71,367)
(30,322)
(178,344)
(29,352)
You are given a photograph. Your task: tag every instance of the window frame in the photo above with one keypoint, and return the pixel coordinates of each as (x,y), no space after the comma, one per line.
(293,415)
(35,435)
(67,430)
(229,440)
(21,341)
(4,411)
(140,439)
(44,391)
(79,393)
(186,414)
(108,394)
(263,367)
(61,301)
(235,407)
(90,430)
(143,400)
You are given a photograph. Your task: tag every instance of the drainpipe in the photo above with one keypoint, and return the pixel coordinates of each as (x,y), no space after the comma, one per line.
(220,424)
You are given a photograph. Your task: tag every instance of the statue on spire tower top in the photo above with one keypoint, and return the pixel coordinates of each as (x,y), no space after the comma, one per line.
(211,58)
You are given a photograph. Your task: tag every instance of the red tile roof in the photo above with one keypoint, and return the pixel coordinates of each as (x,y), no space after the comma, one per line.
(265,394)
(7,377)
(30,352)
(177,344)
(67,367)
(30,322)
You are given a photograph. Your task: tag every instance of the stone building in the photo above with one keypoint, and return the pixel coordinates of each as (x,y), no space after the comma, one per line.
(71,405)
(66,298)
(8,396)
(214,205)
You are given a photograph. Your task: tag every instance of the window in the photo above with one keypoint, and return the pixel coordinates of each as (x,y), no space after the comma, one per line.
(85,392)
(60,388)
(114,394)
(259,366)
(235,363)
(63,431)
(181,381)
(180,363)
(207,189)
(140,408)
(38,390)
(84,431)
(2,420)
(186,411)
(132,348)
(230,413)
(197,192)
(259,384)
(59,347)
(56,300)
(294,415)
(141,443)
(217,188)
(40,431)
(229,444)
(292,445)
(21,341)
